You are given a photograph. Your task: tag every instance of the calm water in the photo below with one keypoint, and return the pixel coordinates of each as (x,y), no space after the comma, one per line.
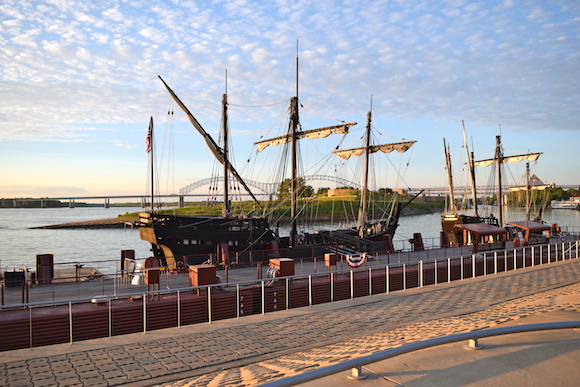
(102,248)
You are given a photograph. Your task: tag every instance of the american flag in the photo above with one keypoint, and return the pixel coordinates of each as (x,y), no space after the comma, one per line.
(149,135)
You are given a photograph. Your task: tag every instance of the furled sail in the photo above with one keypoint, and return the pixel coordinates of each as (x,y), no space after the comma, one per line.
(314,133)
(508,159)
(385,148)
(215,148)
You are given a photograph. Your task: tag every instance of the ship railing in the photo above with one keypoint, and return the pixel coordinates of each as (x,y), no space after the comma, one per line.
(163,308)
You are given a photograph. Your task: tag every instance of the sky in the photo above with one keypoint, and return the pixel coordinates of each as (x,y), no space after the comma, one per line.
(78,85)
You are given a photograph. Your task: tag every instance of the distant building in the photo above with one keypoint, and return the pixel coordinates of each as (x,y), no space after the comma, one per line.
(338,192)
(400,191)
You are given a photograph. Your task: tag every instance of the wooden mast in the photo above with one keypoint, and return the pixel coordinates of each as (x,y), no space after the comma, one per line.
(362,211)
(470,162)
(449,178)
(294,143)
(226,207)
(151,160)
(499,160)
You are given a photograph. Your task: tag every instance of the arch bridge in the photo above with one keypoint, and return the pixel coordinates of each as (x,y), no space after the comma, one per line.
(267,188)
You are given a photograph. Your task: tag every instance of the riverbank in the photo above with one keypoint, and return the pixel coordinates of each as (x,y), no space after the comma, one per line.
(118,222)
(125,221)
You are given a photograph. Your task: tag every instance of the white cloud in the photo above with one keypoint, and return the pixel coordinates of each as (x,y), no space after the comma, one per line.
(24,40)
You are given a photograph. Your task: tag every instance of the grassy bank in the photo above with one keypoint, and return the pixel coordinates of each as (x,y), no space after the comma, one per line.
(317,207)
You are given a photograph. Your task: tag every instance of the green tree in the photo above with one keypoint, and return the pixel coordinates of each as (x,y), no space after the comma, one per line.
(285,187)
(322,191)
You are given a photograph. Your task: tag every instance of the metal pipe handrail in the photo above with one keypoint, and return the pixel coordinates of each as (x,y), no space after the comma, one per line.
(356,364)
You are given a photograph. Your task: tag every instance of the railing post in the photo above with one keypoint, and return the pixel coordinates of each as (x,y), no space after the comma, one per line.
(515,259)
(435,271)
(110,318)
(473,266)
(287,293)
(404,277)
(30,324)
(448,270)
(461,265)
(473,345)
(238,300)
(145,312)
(533,256)
(357,374)
(209,304)
(387,282)
(263,298)
(495,262)
(370,282)
(331,287)
(420,268)
(351,284)
(178,309)
(70,322)
(310,290)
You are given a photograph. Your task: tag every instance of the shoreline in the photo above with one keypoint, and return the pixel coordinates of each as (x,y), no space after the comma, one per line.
(129,221)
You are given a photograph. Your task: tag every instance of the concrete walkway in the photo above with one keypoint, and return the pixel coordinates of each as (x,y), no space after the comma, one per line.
(256,349)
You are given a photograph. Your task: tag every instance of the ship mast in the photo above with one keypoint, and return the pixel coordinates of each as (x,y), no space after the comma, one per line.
(213,147)
(294,143)
(362,211)
(499,161)
(449,178)
(470,161)
(226,207)
(149,149)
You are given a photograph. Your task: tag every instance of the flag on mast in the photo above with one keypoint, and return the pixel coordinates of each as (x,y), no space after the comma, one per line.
(149,135)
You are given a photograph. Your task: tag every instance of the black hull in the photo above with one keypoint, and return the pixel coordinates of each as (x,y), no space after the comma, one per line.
(195,240)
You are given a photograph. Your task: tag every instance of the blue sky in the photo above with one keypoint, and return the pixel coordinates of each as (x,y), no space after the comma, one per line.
(79,83)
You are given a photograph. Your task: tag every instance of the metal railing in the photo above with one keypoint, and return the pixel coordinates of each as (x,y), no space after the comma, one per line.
(356,364)
(164,308)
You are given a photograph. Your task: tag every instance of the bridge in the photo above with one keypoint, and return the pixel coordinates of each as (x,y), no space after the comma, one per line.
(267,189)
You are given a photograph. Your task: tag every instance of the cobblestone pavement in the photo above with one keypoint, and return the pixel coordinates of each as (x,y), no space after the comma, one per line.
(246,354)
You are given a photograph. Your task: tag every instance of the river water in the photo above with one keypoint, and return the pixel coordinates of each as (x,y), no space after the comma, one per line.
(101,248)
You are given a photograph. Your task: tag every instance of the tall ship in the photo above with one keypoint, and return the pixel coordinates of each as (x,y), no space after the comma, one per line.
(488,231)
(249,238)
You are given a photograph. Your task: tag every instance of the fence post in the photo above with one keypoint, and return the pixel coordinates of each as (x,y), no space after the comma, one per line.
(263,298)
(351,284)
(145,312)
(110,318)
(287,293)
(404,277)
(515,259)
(435,272)
(309,290)
(178,309)
(370,282)
(473,266)
(30,324)
(420,268)
(331,287)
(70,321)
(387,282)
(209,304)
(461,261)
(448,270)
(238,300)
